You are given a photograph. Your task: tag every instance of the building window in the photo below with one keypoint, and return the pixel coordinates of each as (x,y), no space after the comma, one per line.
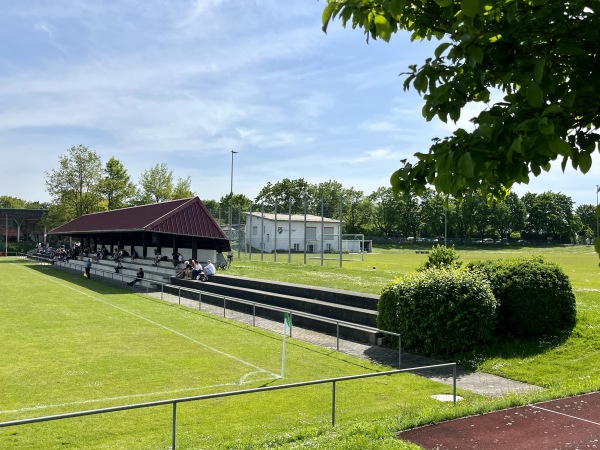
(296,247)
(254,230)
(328,233)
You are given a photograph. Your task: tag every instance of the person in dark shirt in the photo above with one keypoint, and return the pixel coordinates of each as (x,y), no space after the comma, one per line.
(138,277)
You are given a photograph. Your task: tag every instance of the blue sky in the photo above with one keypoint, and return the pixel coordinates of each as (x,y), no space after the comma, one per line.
(185,82)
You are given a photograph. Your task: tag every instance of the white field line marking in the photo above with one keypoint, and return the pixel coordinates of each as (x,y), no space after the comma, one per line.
(178,333)
(127,397)
(566,415)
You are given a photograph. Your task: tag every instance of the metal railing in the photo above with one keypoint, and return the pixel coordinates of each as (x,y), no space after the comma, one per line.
(255,305)
(107,274)
(13,254)
(174,402)
(160,286)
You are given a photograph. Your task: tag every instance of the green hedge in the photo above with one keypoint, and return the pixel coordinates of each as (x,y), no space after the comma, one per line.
(440,312)
(534,296)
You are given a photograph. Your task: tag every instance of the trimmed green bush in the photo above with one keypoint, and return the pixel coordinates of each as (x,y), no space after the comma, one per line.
(441,256)
(439,312)
(534,296)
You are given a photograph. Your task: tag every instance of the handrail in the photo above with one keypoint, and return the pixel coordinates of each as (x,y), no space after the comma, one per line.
(292,313)
(263,306)
(176,401)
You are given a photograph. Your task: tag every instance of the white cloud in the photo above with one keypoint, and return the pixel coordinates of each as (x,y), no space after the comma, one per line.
(186,81)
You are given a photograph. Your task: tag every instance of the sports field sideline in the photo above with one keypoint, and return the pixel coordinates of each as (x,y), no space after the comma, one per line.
(74,344)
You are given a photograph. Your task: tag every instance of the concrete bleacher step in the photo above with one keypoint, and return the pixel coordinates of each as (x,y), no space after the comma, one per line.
(295,298)
(335,305)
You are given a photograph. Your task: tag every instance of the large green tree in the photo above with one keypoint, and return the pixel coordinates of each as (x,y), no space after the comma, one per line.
(587,214)
(183,189)
(387,211)
(74,186)
(284,191)
(540,56)
(156,184)
(550,215)
(116,186)
(8,201)
(358,212)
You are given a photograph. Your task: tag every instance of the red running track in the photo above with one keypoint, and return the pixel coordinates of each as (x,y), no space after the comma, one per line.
(569,423)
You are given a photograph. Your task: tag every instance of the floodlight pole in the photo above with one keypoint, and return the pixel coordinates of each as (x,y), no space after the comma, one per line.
(597,190)
(6,235)
(233,152)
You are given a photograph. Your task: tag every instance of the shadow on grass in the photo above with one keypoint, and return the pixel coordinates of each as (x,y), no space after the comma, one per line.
(102,286)
(516,348)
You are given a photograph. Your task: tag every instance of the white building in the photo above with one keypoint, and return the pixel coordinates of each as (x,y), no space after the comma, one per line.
(297,232)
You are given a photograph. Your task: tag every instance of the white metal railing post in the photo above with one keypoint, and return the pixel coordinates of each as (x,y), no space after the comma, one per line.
(337,336)
(253,314)
(224,307)
(179,295)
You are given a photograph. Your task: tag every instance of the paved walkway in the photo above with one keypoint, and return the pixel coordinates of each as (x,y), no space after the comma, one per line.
(478,382)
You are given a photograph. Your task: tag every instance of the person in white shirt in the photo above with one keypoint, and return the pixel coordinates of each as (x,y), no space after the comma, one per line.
(209,270)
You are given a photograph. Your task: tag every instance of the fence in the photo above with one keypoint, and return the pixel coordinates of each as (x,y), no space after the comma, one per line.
(196,296)
(107,274)
(15,254)
(175,402)
(264,230)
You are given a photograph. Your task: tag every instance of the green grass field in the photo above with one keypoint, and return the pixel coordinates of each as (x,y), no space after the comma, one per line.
(72,344)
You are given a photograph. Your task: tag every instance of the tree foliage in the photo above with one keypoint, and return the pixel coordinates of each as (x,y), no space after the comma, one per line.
(8,201)
(541,56)
(156,184)
(183,189)
(116,186)
(75,184)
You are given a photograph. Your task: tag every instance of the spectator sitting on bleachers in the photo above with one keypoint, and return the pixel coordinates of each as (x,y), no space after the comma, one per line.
(209,270)
(186,272)
(158,258)
(196,269)
(177,259)
(138,277)
(134,255)
(119,266)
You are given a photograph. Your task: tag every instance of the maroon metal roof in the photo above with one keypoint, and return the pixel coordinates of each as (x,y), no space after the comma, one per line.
(187,217)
